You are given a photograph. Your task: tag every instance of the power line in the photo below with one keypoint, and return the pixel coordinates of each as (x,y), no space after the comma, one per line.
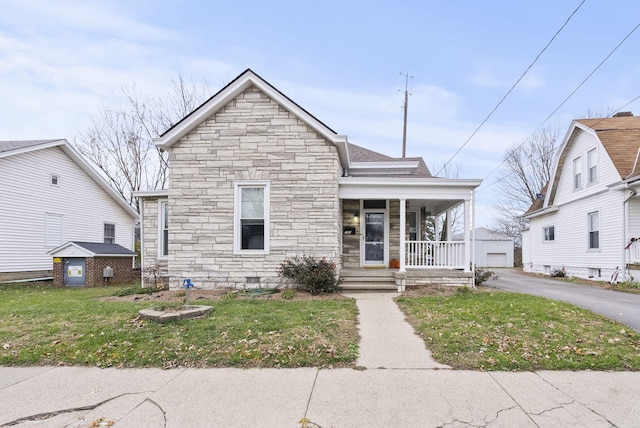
(572,93)
(511,89)
(483,187)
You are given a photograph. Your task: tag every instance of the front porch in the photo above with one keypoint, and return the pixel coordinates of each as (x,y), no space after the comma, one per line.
(377,256)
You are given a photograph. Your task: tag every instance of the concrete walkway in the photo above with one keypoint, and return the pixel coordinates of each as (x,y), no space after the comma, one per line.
(387,341)
(405,393)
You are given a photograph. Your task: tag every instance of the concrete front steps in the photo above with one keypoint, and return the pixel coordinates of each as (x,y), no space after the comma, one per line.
(368,279)
(384,280)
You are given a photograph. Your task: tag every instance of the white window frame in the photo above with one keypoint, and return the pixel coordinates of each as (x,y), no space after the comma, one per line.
(545,235)
(592,166)
(104,234)
(590,230)
(162,220)
(237,225)
(577,173)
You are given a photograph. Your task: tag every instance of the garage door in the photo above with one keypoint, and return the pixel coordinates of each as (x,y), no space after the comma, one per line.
(496,259)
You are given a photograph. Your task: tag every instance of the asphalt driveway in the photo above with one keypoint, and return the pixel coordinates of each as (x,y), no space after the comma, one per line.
(619,306)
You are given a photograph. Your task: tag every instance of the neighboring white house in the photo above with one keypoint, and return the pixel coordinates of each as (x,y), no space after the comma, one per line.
(588,217)
(492,249)
(50,195)
(256,179)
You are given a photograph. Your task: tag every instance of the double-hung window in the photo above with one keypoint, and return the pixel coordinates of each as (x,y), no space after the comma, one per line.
(163,226)
(109,233)
(577,173)
(594,230)
(592,166)
(549,233)
(251,217)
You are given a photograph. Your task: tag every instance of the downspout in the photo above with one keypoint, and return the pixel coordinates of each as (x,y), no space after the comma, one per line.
(473,238)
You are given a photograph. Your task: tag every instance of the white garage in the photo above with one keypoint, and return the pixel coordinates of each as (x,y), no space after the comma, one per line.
(492,249)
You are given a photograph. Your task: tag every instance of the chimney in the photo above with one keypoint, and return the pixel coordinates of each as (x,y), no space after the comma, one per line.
(623,114)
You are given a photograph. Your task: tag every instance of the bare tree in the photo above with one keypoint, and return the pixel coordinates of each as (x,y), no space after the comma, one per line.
(456,215)
(119,141)
(528,170)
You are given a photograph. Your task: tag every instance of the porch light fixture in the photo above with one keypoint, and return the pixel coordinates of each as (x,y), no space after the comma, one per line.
(355,217)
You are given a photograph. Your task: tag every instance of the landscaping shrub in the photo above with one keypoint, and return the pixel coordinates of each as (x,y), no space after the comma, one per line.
(311,274)
(483,275)
(558,273)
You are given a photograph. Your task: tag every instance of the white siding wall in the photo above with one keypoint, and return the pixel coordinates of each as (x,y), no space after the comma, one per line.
(570,249)
(26,197)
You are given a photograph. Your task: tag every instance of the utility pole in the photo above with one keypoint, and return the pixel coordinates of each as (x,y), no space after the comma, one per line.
(405,107)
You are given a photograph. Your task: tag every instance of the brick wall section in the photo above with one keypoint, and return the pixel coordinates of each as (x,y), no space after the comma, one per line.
(11,276)
(123,271)
(251,138)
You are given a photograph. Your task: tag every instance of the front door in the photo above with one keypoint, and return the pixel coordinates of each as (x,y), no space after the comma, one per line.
(374,237)
(74,271)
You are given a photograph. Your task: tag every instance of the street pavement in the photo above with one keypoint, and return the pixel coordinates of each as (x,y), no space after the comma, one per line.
(617,305)
(385,390)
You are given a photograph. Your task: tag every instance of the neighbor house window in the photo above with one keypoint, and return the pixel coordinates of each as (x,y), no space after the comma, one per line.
(549,233)
(251,232)
(55,179)
(592,166)
(594,230)
(163,226)
(109,233)
(577,174)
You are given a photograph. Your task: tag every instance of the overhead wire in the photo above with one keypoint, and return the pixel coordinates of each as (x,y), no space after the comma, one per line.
(512,88)
(567,99)
(483,187)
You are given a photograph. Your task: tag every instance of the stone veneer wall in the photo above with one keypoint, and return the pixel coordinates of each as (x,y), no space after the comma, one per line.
(351,243)
(251,138)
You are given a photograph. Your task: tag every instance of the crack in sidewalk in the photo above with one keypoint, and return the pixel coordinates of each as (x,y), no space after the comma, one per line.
(54,413)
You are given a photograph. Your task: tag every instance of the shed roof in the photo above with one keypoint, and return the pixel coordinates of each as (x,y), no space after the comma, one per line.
(93,249)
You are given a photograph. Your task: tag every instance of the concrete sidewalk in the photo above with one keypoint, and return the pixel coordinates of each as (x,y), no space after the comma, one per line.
(402,394)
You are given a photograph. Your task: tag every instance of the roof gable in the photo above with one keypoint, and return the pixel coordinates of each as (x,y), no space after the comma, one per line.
(13,148)
(620,137)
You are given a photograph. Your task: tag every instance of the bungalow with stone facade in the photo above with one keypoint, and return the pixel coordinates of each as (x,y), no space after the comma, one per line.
(256,179)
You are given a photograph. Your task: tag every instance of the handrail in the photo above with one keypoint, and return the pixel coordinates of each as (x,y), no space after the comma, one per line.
(434,254)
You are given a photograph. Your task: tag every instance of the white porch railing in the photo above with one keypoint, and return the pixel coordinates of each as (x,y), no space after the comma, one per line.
(435,254)
(634,251)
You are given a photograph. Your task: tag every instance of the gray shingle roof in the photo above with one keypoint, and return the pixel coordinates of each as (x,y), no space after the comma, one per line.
(104,249)
(6,146)
(360,154)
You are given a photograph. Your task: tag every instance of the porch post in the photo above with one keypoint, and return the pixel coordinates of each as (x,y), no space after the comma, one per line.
(449,219)
(467,235)
(403,226)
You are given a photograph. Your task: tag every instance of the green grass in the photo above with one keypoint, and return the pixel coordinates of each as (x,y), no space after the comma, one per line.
(73,326)
(517,332)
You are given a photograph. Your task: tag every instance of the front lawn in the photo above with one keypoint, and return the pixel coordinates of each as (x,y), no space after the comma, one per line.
(510,331)
(42,325)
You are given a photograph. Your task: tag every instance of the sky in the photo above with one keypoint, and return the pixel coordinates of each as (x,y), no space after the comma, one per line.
(63,61)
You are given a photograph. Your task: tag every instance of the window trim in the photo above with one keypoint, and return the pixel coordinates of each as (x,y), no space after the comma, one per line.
(577,173)
(104,232)
(55,177)
(237,207)
(590,231)
(592,155)
(552,238)
(161,221)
